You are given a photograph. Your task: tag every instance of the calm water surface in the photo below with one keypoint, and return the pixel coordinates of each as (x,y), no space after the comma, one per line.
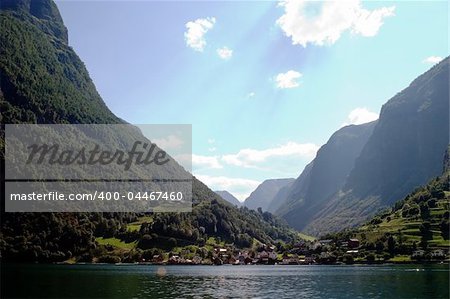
(136,281)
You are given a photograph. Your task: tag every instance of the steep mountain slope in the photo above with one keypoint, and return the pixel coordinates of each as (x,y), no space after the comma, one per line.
(43,81)
(420,220)
(229,197)
(404,151)
(265,193)
(298,187)
(36,62)
(280,198)
(325,175)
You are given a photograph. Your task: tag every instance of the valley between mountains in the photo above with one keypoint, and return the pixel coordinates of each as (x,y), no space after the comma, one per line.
(375,192)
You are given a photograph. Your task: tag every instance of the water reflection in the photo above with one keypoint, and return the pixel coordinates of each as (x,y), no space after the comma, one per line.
(109,281)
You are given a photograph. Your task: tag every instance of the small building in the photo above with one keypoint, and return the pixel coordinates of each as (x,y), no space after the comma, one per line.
(309,260)
(273,255)
(437,254)
(232,260)
(174,259)
(353,243)
(244,259)
(263,257)
(290,260)
(157,258)
(196,260)
(325,242)
(217,261)
(418,253)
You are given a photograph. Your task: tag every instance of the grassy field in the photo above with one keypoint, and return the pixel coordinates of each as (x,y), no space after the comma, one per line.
(306,237)
(116,243)
(408,228)
(400,259)
(136,226)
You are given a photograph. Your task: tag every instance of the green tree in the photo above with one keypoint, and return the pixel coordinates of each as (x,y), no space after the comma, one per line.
(391,245)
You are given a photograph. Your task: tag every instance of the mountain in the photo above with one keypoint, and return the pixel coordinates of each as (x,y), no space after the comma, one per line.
(279,198)
(404,151)
(325,175)
(229,197)
(418,221)
(265,193)
(44,81)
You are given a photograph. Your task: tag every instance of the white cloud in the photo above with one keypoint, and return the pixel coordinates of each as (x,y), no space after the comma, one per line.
(252,158)
(239,187)
(168,143)
(433,59)
(211,140)
(202,162)
(225,53)
(251,95)
(360,116)
(196,30)
(288,79)
(321,23)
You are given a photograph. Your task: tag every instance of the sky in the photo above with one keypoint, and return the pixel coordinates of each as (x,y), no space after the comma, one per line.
(263,83)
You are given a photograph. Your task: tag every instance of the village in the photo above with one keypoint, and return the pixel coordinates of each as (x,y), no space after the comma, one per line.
(318,252)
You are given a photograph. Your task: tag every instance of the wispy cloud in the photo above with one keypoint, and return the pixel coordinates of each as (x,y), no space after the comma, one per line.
(360,116)
(320,23)
(205,162)
(433,59)
(196,30)
(239,187)
(253,158)
(251,95)
(288,79)
(225,53)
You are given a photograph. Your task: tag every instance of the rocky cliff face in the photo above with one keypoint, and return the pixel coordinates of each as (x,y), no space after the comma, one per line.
(404,151)
(265,193)
(325,175)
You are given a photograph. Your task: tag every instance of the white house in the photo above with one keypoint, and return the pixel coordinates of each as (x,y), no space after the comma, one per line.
(437,253)
(418,253)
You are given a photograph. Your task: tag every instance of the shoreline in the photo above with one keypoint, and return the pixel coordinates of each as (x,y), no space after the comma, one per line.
(241,265)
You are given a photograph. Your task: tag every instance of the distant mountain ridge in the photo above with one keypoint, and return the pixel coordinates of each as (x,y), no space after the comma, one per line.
(325,175)
(404,151)
(265,193)
(229,197)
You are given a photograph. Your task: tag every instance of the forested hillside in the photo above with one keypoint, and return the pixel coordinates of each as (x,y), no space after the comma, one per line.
(420,221)
(44,81)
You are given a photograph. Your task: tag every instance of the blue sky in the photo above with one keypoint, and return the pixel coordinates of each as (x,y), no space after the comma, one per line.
(263,83)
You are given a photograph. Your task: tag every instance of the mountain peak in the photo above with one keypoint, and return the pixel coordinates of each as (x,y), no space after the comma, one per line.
(228,197)
(265,193)
(43,13)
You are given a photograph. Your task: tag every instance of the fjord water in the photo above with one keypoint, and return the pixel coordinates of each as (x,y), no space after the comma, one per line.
(138,281)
